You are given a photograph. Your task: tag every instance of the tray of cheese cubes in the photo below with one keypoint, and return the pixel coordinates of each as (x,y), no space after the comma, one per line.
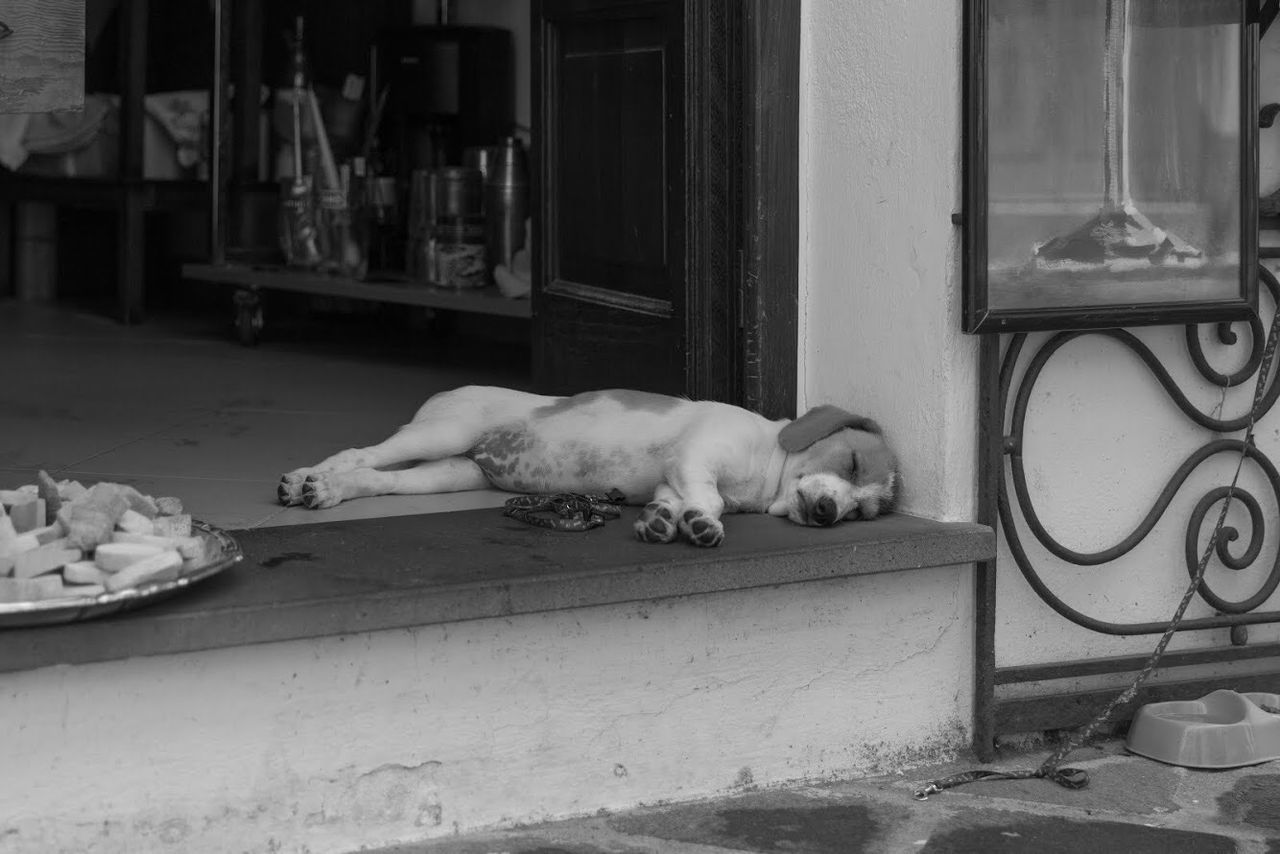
(70,552)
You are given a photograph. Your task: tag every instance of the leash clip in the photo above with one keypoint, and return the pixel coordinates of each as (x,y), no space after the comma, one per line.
(930,789)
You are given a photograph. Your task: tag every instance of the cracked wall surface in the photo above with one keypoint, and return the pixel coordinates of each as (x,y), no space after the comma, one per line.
(332,744)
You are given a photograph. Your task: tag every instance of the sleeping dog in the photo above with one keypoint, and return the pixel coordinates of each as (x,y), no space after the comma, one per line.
(687,462)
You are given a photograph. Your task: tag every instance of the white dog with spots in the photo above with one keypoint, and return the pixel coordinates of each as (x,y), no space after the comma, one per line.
(688,462)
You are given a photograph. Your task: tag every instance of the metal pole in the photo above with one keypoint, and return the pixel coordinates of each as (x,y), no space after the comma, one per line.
(217,130)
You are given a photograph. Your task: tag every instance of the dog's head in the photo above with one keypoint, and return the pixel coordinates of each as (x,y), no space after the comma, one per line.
(838,467)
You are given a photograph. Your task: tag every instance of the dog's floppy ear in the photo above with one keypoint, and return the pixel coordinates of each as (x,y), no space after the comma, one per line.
(819,423)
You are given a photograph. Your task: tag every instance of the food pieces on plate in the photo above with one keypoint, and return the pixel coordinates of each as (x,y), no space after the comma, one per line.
(27,513)
(71,490)
(178,525)
(29,589)
(62,539)
(7,531)
(168,506)
(9,497)
(135,523)
(113,557)
(83,572)
(163,566)
(191,548)
(44,559)
(20,544)
(91,520)
(79,591)
(48,491)
(49,533)
(139,503)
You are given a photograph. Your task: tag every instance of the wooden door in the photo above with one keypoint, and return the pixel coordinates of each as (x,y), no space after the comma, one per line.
(609,298)
(666,188)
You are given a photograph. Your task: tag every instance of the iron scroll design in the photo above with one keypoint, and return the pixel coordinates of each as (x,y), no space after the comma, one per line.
(1230,613)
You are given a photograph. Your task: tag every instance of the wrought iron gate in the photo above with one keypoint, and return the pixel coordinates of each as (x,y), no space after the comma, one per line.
(1009,370)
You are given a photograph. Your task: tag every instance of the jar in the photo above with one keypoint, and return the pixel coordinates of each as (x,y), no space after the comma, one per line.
(459,252)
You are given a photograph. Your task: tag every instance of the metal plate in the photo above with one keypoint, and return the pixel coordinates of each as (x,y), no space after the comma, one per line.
(223,551)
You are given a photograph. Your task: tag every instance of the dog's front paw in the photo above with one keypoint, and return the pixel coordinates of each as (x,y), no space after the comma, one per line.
(289,491)
(700,529)
(657,524)
(320,491)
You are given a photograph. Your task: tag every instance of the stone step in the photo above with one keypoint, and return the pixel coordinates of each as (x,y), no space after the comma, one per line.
(377,681)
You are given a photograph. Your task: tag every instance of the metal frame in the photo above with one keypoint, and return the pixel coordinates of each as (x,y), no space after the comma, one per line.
(1000,493)
(980,316)
(1004,491)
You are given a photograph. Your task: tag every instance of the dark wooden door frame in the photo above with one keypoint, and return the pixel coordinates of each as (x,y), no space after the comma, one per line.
(770,143)
(742,70)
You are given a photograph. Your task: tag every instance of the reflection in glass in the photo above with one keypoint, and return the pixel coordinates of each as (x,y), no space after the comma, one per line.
(1114,151)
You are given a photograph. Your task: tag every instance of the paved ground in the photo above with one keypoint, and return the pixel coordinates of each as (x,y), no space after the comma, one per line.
(1132,806)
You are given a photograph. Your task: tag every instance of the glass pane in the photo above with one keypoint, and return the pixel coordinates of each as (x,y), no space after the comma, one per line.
(1114,151)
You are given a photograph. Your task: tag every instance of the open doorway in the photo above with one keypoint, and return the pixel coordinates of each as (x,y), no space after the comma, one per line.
(216,423)
(662,157)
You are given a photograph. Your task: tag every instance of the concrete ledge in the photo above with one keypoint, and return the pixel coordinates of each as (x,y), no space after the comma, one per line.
(368,575)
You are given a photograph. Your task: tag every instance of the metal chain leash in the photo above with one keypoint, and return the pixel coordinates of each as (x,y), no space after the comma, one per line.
(571,511)
(1077,778)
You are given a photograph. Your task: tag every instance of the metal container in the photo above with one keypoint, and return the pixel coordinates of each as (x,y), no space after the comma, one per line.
(459,192)
(506,204)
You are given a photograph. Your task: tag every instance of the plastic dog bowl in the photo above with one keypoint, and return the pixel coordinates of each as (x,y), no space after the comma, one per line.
(1224,729)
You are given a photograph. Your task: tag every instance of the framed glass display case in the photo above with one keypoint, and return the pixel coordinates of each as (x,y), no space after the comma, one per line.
(1110,174)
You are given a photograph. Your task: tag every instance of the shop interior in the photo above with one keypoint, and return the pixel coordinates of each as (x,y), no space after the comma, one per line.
(201,392)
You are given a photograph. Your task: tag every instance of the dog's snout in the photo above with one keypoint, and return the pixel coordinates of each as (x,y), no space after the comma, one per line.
(824,512)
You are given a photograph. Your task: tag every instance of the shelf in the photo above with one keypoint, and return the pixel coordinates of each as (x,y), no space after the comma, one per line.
(102,192)
(480,301)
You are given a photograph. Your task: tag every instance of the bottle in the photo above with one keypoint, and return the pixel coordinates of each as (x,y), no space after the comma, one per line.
(354,259)
(506,204)
(299,235)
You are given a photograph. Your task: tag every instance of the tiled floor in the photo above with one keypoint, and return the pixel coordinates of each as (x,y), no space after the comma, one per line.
(177,407)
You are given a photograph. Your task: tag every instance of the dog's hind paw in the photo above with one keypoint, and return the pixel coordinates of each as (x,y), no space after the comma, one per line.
(319,491)
(656,524)
(700,529)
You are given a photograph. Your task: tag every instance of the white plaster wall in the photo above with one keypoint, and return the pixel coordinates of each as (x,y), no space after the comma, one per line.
(340,744)
(880,107)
